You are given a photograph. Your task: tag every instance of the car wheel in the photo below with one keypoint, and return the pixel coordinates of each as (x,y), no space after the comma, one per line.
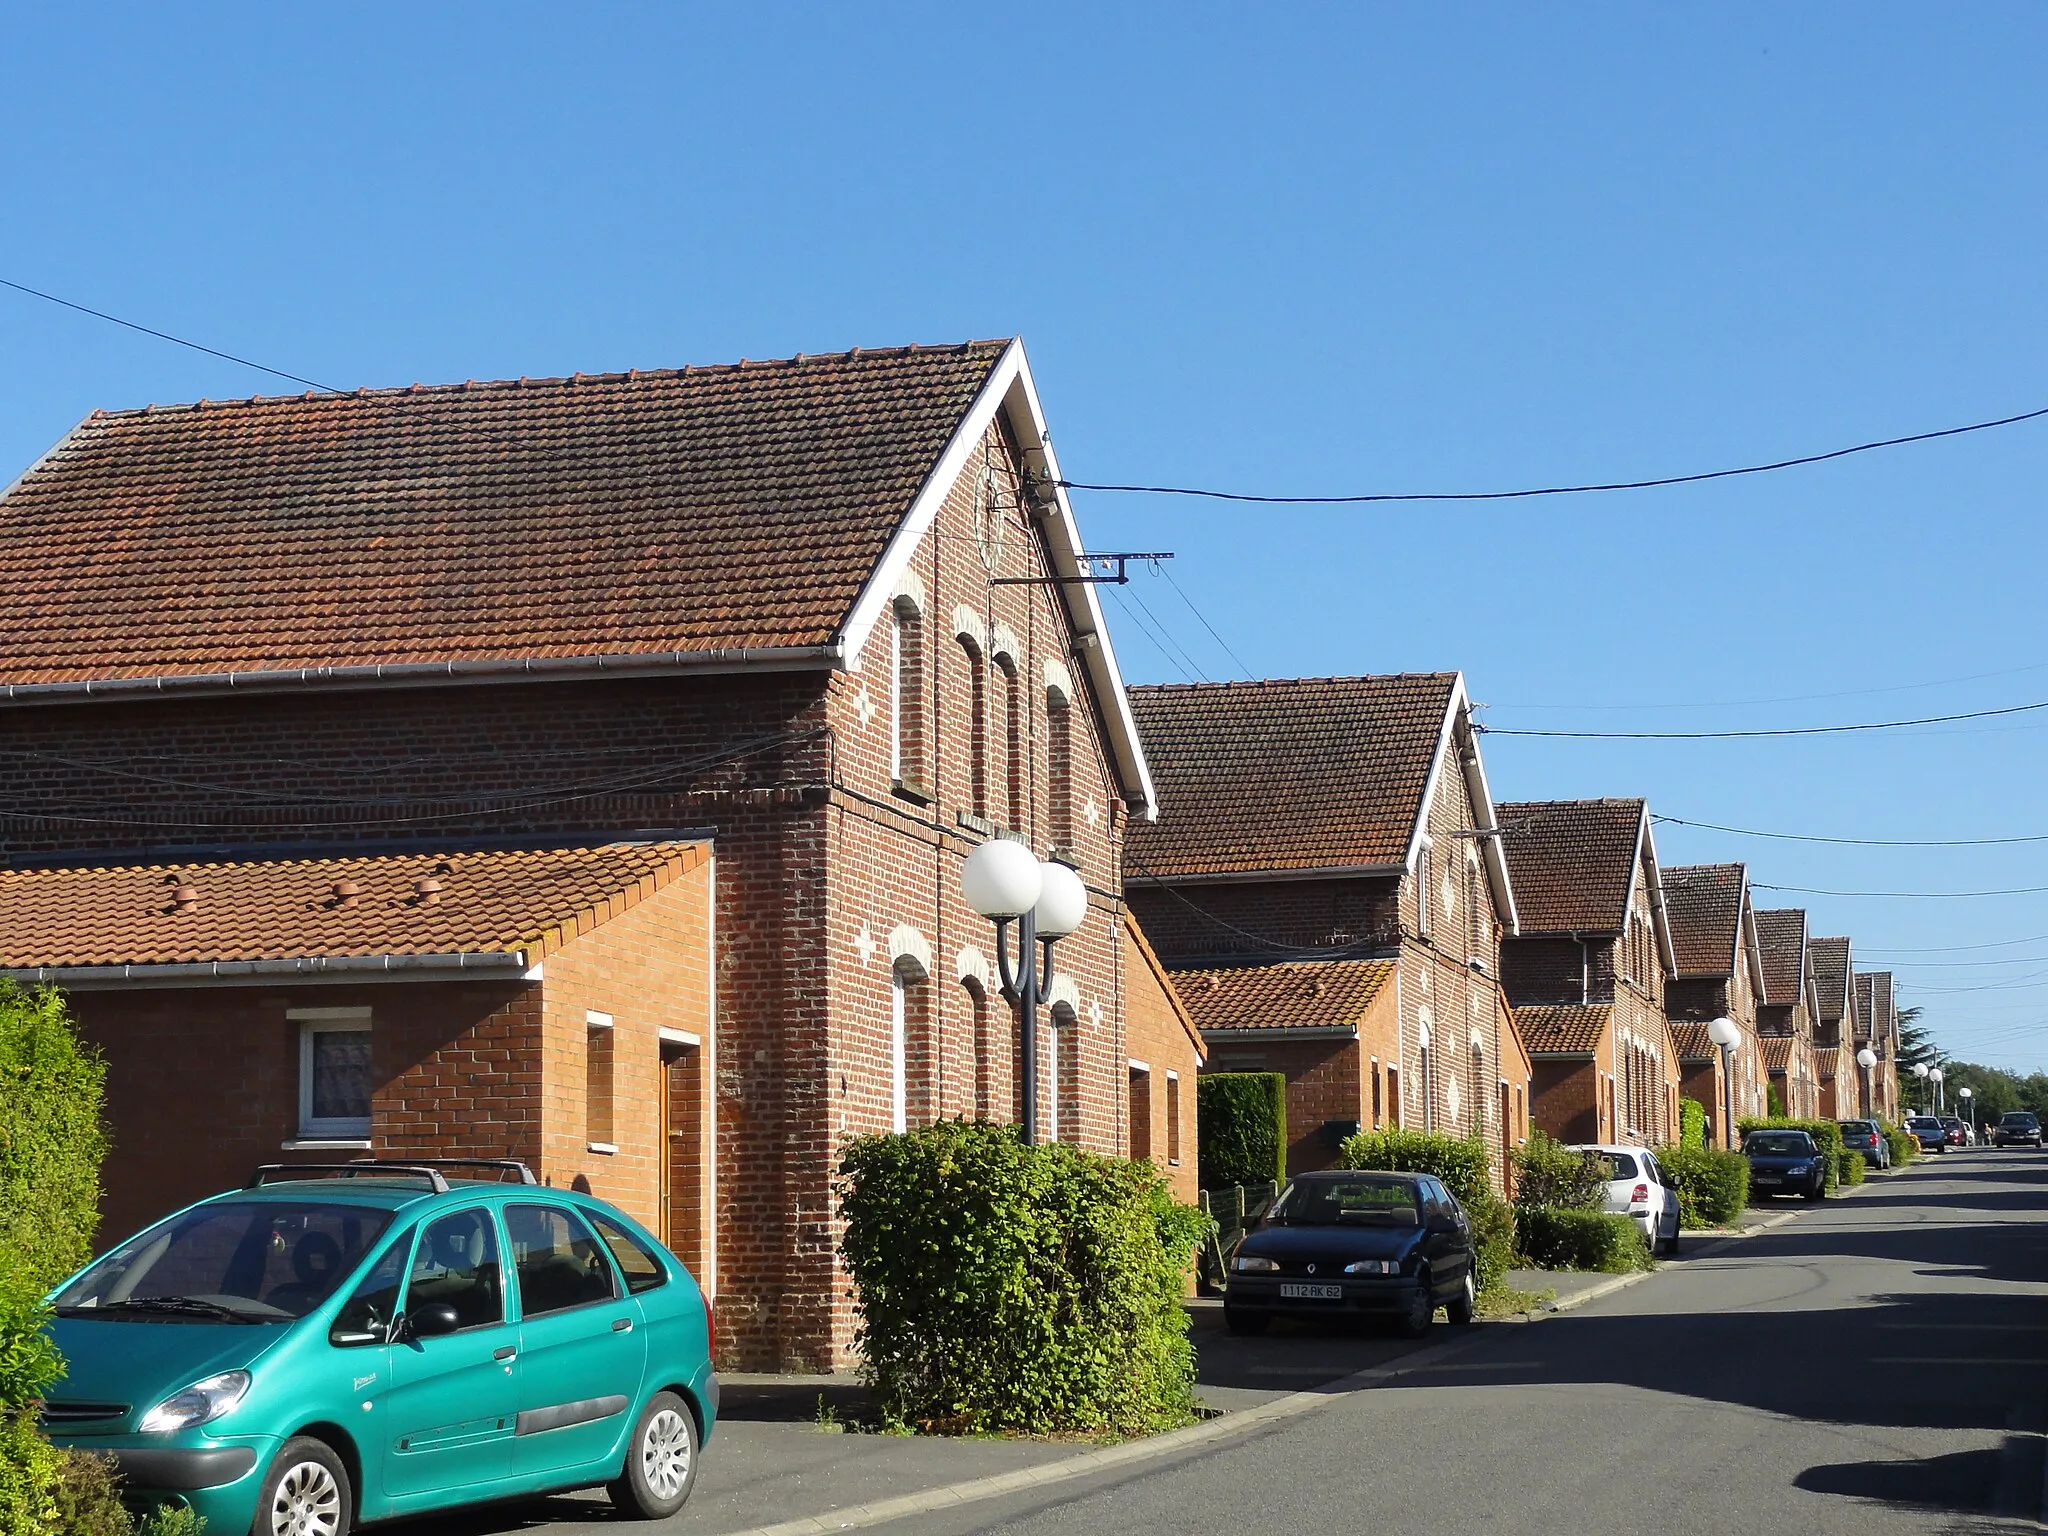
(661,1461)
(1421,1309)
(305,1493)
(1244,1323)
(1464,1306)
(1671,1242)
(1819,1190)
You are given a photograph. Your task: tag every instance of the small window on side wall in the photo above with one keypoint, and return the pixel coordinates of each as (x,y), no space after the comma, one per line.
(334,1074)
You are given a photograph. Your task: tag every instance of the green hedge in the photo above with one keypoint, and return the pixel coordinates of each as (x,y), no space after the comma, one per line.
(1241,1128)
(1006,1288)
(1692,1123)
(1905,1146)
(52,1138)
(1596,1240)
(1826,1134)
(1550,1175)
(1461,1163)
(1849,1167)
(1713,1184)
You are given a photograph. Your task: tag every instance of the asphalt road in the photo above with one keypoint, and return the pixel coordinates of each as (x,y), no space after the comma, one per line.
(1878,1365)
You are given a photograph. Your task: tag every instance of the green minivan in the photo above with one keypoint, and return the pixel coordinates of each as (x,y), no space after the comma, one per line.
(349,1342)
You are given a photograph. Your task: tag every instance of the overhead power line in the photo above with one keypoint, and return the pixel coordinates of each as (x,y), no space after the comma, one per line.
(1808,890)
(100,314)
(1793,730)
(1859,842)
(1564,490)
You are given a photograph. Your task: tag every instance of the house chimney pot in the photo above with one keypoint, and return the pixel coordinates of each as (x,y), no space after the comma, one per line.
(346,892)
(185,897)
(428,890)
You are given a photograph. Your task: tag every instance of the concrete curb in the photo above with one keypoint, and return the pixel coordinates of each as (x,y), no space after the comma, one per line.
(1087,1463)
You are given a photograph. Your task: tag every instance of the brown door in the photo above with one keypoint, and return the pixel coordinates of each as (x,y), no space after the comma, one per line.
(682,1143)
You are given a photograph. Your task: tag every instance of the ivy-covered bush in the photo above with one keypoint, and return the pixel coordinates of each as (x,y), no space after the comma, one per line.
(1826,1134)
(1713,1185)
(1596,1240)
(1461,1163)
(1241,1128)
(1006,1288)
(1849,1167)
(1692,1123)
(1550,1174)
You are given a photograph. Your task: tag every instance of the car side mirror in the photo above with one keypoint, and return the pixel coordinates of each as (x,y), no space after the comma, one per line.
(429,1321)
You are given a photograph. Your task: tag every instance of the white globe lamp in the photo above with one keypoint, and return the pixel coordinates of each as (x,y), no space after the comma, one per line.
(1724,1032)
(1002,879)
(1062,901)
(1866,1058)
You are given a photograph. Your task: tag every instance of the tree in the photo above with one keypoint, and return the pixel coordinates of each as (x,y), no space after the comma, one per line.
(1916,1045)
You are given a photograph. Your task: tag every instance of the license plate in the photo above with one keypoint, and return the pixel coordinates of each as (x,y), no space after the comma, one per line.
(1313,1292)
(1768,1178)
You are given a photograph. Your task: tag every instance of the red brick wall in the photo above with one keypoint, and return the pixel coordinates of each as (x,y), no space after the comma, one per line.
(1207,919)
(1565,1097)
(1157,1037)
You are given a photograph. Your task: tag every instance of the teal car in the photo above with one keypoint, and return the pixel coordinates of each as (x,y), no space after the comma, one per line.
(357,1341)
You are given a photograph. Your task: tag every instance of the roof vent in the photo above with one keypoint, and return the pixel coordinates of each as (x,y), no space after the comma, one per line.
(184,897)
(427,891)
(346,893)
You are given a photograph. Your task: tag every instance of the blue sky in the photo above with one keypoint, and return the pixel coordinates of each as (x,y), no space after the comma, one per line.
(1306,249)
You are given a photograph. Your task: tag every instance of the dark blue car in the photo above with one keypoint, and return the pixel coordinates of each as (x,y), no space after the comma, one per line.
(1785,1163)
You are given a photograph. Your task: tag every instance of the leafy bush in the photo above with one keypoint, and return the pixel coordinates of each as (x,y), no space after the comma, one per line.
(1905,1146)
(1493,1238)
(1692,1123)
(1849,1167)
(1549,1174)
(1459,1161)
(1774,1101)
(1713,1184)
(171,1520)
(1826,1134)
(52,1139)
(1241,1128)
(1002,1287)
(88,1495)
(1567,1239)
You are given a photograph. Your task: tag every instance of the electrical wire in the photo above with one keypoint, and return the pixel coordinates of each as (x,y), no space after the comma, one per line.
(1163,569)
(1791,698)
(1956,949)
(1563,490)
(1794,730)
(1174,657)
(1807,890)
(100,314)
(1858,842)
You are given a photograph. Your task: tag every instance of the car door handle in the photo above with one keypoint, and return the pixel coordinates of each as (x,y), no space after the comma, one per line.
(505,1353)
(622,1325)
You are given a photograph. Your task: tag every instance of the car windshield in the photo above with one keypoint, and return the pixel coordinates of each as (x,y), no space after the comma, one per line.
(1923,1123)
(1381,1202)
(243,1261)
(1858,1127)
(1779,1143)
(2023,1122)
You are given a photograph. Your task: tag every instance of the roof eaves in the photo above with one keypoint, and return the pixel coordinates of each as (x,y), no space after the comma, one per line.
(617,904)
(258,973)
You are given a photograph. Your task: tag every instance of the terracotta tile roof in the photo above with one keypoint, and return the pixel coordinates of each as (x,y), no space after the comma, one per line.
(1827,1060)
(1547,1029)
(617,514)
(1703,905)
(1306,994)
(1884,1004)
(1296,773)
(1571,862)
(530,901)
(1781,933)
(1831,974)
(1778,1052)
(1863,1005)
(1692,1042)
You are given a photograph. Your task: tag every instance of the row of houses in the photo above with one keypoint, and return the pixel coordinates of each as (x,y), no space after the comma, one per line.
(581,770)
(1340,898)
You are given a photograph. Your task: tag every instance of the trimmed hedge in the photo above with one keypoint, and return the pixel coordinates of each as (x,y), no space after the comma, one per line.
(1594,1240)
(1462,1165)
(52,1138)
(1826,1134)
(1713,1184)
(1006,1288)
(1849,1167)
(1692,1123)
(1550,1175)
(1905,1146)
(1241,1128)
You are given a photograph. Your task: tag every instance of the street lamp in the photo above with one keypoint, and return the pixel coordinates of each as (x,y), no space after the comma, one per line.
(1964,1095)
(1920,1071)
(1724,1033)
(1005,882)
(1866,1059)
(1934,1077)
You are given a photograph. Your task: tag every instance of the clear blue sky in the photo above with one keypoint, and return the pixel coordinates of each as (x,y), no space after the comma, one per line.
(1286,249)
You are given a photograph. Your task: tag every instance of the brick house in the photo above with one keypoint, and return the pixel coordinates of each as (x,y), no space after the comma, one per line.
(1877,1028)
(1719,974)
(577,770)
(1586,972)
(1834,1042)
(1802,1071)
(1322,885)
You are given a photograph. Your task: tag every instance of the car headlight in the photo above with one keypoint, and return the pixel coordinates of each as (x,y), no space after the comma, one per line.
(200,1403)
(1252,1264)
(1373,1267)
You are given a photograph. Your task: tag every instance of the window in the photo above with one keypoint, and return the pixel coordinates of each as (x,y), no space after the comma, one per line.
(640,1265)
(1394,1106)
(1173,1118)
(1422,867)
(600,1133)
(977,727)
(984,1050)
(1013,738)
(1059,769)
(559,1264)
(365,1318)
(457,1263)
(1141,1113)
(1049,1081)
(899,1106)
(334,1073)
(1376,1093)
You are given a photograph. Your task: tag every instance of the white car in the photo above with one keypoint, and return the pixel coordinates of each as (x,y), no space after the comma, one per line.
(1640,1189)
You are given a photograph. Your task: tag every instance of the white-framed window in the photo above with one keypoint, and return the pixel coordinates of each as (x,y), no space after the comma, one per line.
(899,1096)
(1422,872)
(334,1073)
(896,697)
(599,1057)
(1049,1083)
(1173,1119)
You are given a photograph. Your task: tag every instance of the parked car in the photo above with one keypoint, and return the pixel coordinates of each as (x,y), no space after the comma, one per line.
(1785,1163)
(1345,1244)
(1929,1132)
(2017,1128)
(1640,1189)
(1867,1137)
(1957,1133)
(344,1343)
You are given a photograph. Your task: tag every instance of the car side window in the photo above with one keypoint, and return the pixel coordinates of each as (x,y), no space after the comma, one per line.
(642,1269)
(457,1262)
(366,1317)
(559,1263)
